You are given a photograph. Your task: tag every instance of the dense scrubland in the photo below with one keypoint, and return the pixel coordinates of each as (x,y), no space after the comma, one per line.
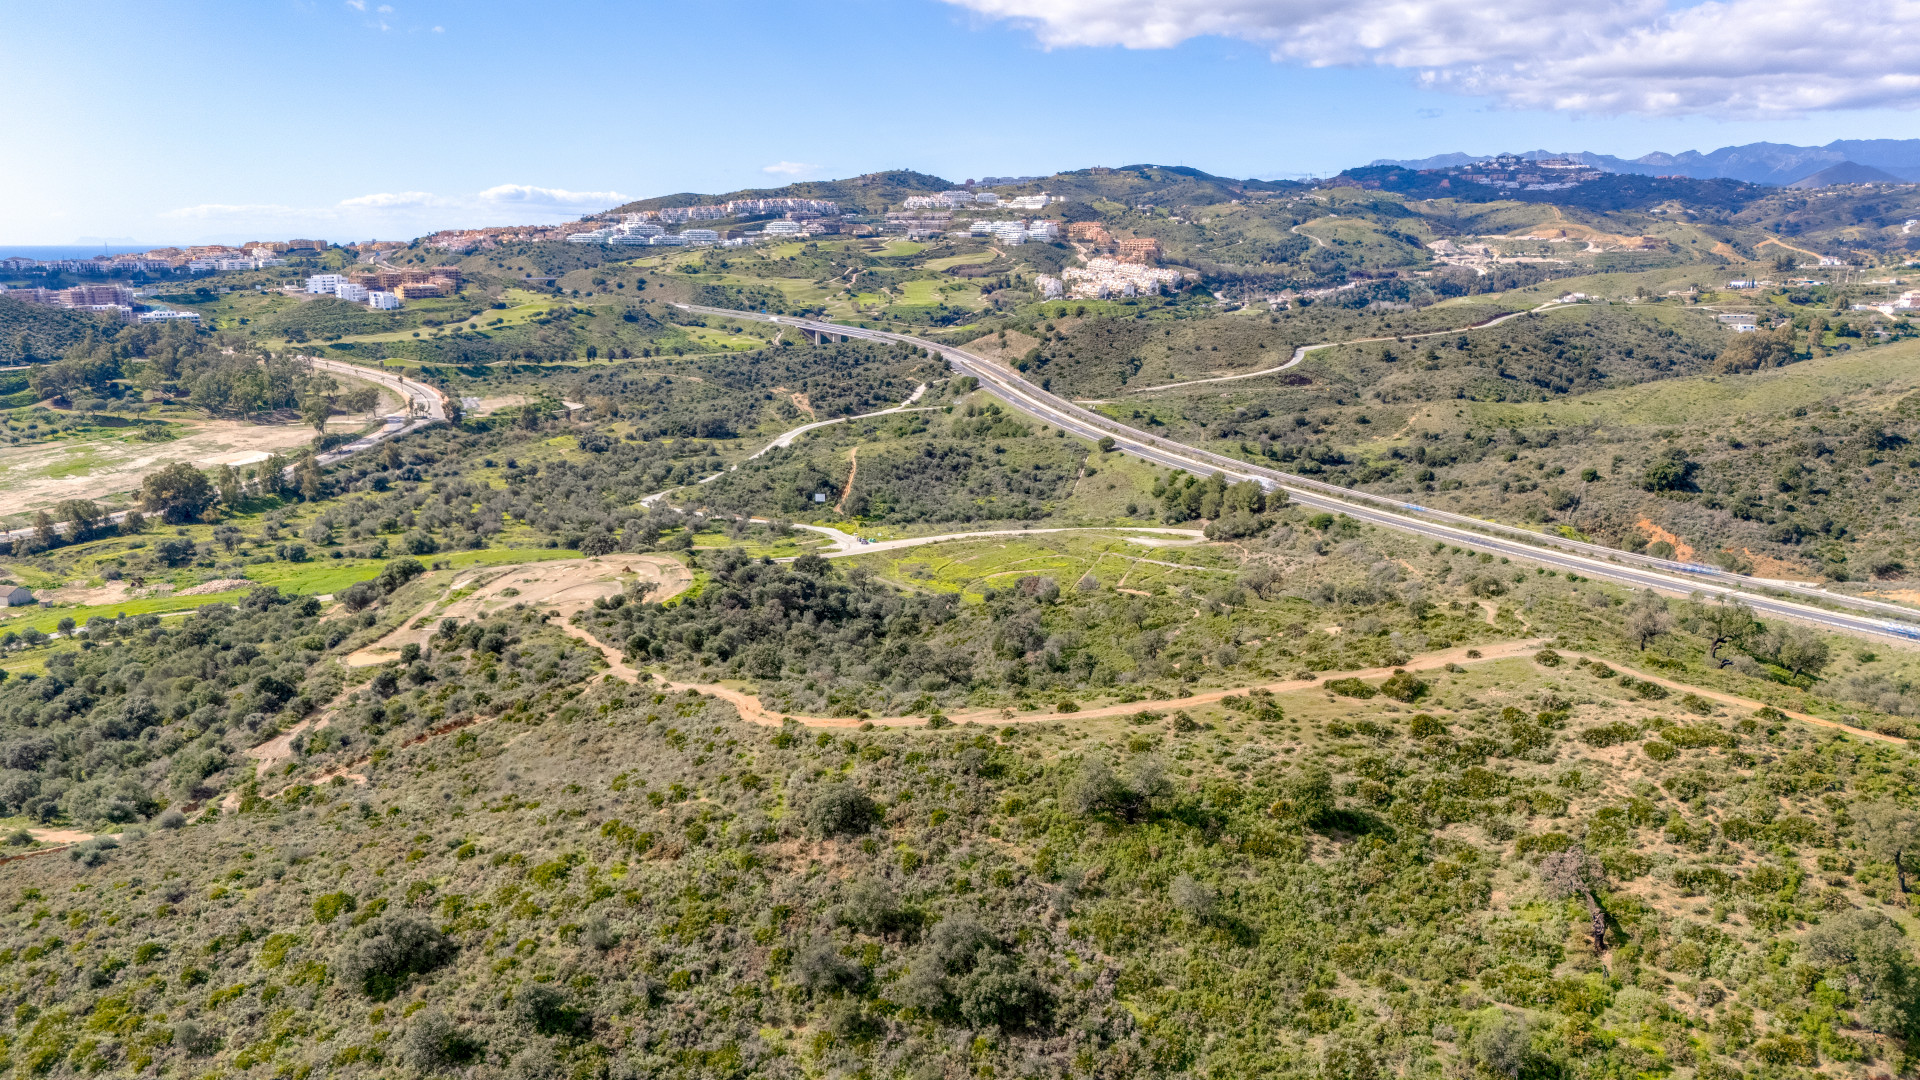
(1280,795)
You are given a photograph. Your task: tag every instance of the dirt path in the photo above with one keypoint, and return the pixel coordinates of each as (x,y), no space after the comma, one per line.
(1300,353)
(1736,700)
(1777,242)
(752,710)
(566,585)
(853,470)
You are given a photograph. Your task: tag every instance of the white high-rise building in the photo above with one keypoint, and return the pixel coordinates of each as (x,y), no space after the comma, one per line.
(324,284)
(383,301)
(351,291)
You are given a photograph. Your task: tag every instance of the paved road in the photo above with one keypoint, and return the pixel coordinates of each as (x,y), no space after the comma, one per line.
(1869,618)
(425,407)
(1300,353)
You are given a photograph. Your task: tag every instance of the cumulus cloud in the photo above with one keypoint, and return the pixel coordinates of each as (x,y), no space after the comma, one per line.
(1734,58)
(788,168)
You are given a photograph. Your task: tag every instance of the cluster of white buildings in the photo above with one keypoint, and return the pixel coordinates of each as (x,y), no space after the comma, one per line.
(1017,232)
(1103,278)
(115,300)
(637,230)
(738,208)
(1908,303)
(961,200)
(256,255)
(338,285)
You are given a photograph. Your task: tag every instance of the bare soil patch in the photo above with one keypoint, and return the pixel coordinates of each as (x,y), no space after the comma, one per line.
(565,586)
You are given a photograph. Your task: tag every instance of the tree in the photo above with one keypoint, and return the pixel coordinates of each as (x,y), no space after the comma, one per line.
(1888,831)
(1671,471)
(179,493)
(81,516)
(315,411)
(227,479)
(1873,956)
(1803,652)
(1576,873)
(43,528)
(1755,351)
(1724,623)
(1648,618)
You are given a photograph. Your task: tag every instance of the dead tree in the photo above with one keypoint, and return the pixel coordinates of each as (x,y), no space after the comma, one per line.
(1576,873)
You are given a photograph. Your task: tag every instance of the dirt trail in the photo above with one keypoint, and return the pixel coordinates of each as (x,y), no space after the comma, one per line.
(853,470)
(1736,700)
(568,585)
(751,709)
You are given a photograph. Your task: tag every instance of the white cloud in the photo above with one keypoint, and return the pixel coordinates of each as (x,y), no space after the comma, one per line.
(439,29)
(357,5)
(385,9)
(788,168)
(387,199)
(523,194)
(1752,58)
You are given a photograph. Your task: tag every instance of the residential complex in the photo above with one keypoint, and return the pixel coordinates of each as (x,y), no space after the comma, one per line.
(1017,232)
(383,290)
(1103,278)
(740,208)
(1517,173)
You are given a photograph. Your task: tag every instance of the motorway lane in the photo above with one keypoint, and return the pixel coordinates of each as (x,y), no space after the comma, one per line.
(1620,567)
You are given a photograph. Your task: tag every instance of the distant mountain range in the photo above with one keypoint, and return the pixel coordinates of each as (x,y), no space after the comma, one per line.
(1843,161)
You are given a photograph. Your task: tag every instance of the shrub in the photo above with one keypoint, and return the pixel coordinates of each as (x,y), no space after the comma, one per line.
(1403,686)
(1352,688)
(840,809)
(1547,658)
(1425,726)
(1660,751)
(331,906)
(1610,734)
(388,951)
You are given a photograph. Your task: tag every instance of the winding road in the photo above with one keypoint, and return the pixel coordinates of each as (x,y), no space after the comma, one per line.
(1866,618)
(1300,353)
(425,407)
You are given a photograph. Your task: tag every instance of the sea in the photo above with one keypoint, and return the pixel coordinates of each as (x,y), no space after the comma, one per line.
(47,252)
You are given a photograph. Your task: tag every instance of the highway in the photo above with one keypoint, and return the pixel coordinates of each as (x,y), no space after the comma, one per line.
(425,406)
(1867,618)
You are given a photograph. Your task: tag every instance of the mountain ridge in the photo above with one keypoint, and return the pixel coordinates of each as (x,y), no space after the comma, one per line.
(1774,164)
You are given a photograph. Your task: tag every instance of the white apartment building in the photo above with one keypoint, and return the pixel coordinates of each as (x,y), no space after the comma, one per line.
(383,301)
(324,284)
(1103,277)
(351,291)
(592,236)
(635,233)
(699,236)
(1043,232)
(1008,232)
(1051,288)
(164,315)
(785,228)
(1031,202)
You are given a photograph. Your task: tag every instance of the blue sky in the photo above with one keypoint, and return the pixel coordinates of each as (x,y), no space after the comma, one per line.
(188,121)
